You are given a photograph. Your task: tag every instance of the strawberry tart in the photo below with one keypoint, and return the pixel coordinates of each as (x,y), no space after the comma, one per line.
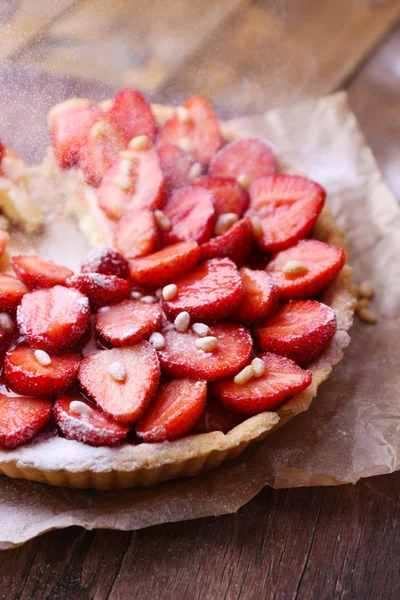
(216,299)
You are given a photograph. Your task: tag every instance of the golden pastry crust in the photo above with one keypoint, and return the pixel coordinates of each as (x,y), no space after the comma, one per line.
(57,461)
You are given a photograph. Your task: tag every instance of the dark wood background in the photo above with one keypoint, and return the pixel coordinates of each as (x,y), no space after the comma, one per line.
(245,55)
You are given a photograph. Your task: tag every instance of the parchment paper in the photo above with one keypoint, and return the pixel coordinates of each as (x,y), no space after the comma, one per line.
(351,430)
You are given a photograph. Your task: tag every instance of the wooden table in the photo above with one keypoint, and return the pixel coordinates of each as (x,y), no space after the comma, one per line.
(322,543)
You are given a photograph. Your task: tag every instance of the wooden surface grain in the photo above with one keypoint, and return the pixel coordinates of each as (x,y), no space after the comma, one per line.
(321,543)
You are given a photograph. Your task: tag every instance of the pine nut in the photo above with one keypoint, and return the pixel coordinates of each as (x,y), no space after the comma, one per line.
(135,295)
(244,375)
(201,329)
(148,299)
(258,366)
(128,155)
(366,289)
(157,340)
(182,322)
(195,171)
(169,291)
(367,315)
(140,142)
(123,182)
(42,358)
(225,222)
(117,371)
(158,293)
(6,322)
(80,408)
(243,180)
(362,303)
(257,227)
(186,145)
(162,220)
(183,115)
(98,130)
(207,344)
(294,268)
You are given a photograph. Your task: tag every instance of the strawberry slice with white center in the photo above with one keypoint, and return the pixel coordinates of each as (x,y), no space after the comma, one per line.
(4,239)
(216,418)
(105,261)
(281,380)
(100,289)
(21,419)
(287,206)
(248,158)
(176,165)
(129,322)
(209,292)
(11,292)
(234,244)
(300,330)
(191,213)
(122,381)
(229,195)
(26,375)
(82,421)
(35,272)
(136,234)
(70,130)
(182,358)
(317,264)
(99,152)
(195,128)
(130,114)
(166,265)
(259,298)
(136,182)
(54,318)
(174,410)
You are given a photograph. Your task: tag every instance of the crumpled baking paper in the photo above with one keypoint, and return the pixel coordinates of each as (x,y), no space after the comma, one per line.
(352,429)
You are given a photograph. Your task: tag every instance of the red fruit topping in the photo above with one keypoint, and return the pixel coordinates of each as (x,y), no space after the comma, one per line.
(35,272)
(2,150)
(282,380)
(209,292)
(128,322)
(127,399)
(287,206)
(136,233)
(259,298)
(100,289)
(54,318)
(216,418)
(300,330)
(11,292)
(234,244)
(70,130)
(200,128)
(181,358)
(141,187)
(165,265)
(84,422)
(4,239)
(105,261)
(229,195)
(131,115)
(175,164)
(191,213)
(322,264)
(99,152)
(25,375)
(174,410)
(21,419)
(249,157)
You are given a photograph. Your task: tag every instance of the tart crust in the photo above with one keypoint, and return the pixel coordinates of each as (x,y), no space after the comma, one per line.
(61,462)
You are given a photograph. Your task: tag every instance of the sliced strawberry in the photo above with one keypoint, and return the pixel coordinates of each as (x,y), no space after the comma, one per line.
(100,289)
(11,292)
(25,375)
(128,322)
(2,151)
(216,418)
(174,411)
(234,244)
(175,164)
(259,298)
(250,157)
(131,115)
(181,358)
(146,184)
(88,425)
(136,234)
(21,419)
(282,380)
(287,206)
(322,261)
(70,130)
(35,272)
(209,292)
(229,195)
(105,261)
(300,330)
(191,213)
(7,328)
(201,129)
(165,265)
(54,318)
(4,239)
(100,152)
(125,401)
